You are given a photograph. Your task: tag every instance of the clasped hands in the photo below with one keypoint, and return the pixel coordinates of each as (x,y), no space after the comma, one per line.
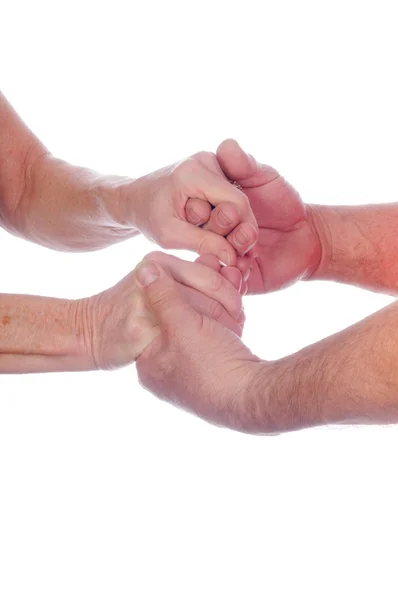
(181,321)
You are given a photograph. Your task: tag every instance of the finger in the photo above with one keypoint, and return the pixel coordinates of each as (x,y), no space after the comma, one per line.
(252,253)
(242,167)
(233,275)
(186,236)
(234,161)
(161,295)
(245,288)
(223,219)
(244,266)
(216,189)
(212,309)
(202,278)
(243,238)
(210,261)
(197,211)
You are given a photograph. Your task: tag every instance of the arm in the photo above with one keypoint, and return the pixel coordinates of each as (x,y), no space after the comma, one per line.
(351,377)
(38,335)
(359,245)
(65,207)
(111,329)
(50,202)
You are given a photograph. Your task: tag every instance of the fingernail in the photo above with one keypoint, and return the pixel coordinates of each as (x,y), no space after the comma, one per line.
(225,258)
(241,237)
(224,219)
(147,273)
(248,249)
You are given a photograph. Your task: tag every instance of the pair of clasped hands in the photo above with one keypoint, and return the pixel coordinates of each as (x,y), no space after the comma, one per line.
(182,321)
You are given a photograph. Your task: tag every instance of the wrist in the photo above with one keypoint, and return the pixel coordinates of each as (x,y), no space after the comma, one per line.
(115,326)
(283,397)
(138,196)
(117,199)
(41,335)
(264,404)
(320,219)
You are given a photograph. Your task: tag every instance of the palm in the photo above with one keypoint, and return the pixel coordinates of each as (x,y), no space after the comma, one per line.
(288,248)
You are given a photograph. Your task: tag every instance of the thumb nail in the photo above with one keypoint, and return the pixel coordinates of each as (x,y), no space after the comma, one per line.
(147,273)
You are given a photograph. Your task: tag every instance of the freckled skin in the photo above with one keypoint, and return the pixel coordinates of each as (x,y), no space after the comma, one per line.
(110,329)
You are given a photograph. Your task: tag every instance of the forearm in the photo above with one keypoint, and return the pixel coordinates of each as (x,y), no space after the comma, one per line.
(43,334)
(74,209)
(350,377)
(50,202)
(359,245)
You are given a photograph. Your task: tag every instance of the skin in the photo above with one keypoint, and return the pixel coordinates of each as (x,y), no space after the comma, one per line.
(91,211)
(67,208)
(109,330)
(350,377)
(168,313)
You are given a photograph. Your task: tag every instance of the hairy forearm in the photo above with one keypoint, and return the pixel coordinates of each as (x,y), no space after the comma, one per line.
(350,377)
(56,204)
(43,334)
(359,245)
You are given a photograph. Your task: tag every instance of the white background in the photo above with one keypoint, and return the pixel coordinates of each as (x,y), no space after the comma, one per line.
(105,492)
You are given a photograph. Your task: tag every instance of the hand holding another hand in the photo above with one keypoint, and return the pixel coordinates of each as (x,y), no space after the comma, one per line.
(195,362)
(116,325)
(171,204)
(288,247)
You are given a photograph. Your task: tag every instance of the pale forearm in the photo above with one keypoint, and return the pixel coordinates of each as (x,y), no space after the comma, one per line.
(43,334)
(350,377)
(75,209)
(360,245)
(48,201)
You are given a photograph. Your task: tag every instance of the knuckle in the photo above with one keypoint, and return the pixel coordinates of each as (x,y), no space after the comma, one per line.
(155,255)
(216,282)
(202,247)
(216,311)
(163,239)
(163,297)
(184,169)
(204,157)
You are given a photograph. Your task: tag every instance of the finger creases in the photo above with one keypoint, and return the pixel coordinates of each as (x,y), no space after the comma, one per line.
(203,278)
(223,219)
(197,211)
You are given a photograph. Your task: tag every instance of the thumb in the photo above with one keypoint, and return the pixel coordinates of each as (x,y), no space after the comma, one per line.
(160,292)
(235,162)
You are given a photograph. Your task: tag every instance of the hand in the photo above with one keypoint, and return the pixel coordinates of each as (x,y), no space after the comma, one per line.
(195,362)
(288,247)
(162,214)
(117,326)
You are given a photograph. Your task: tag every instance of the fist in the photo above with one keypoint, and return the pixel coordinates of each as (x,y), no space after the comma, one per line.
(172,204)
(288,247)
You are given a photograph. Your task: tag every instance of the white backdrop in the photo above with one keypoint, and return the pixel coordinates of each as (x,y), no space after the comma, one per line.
(105,492)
